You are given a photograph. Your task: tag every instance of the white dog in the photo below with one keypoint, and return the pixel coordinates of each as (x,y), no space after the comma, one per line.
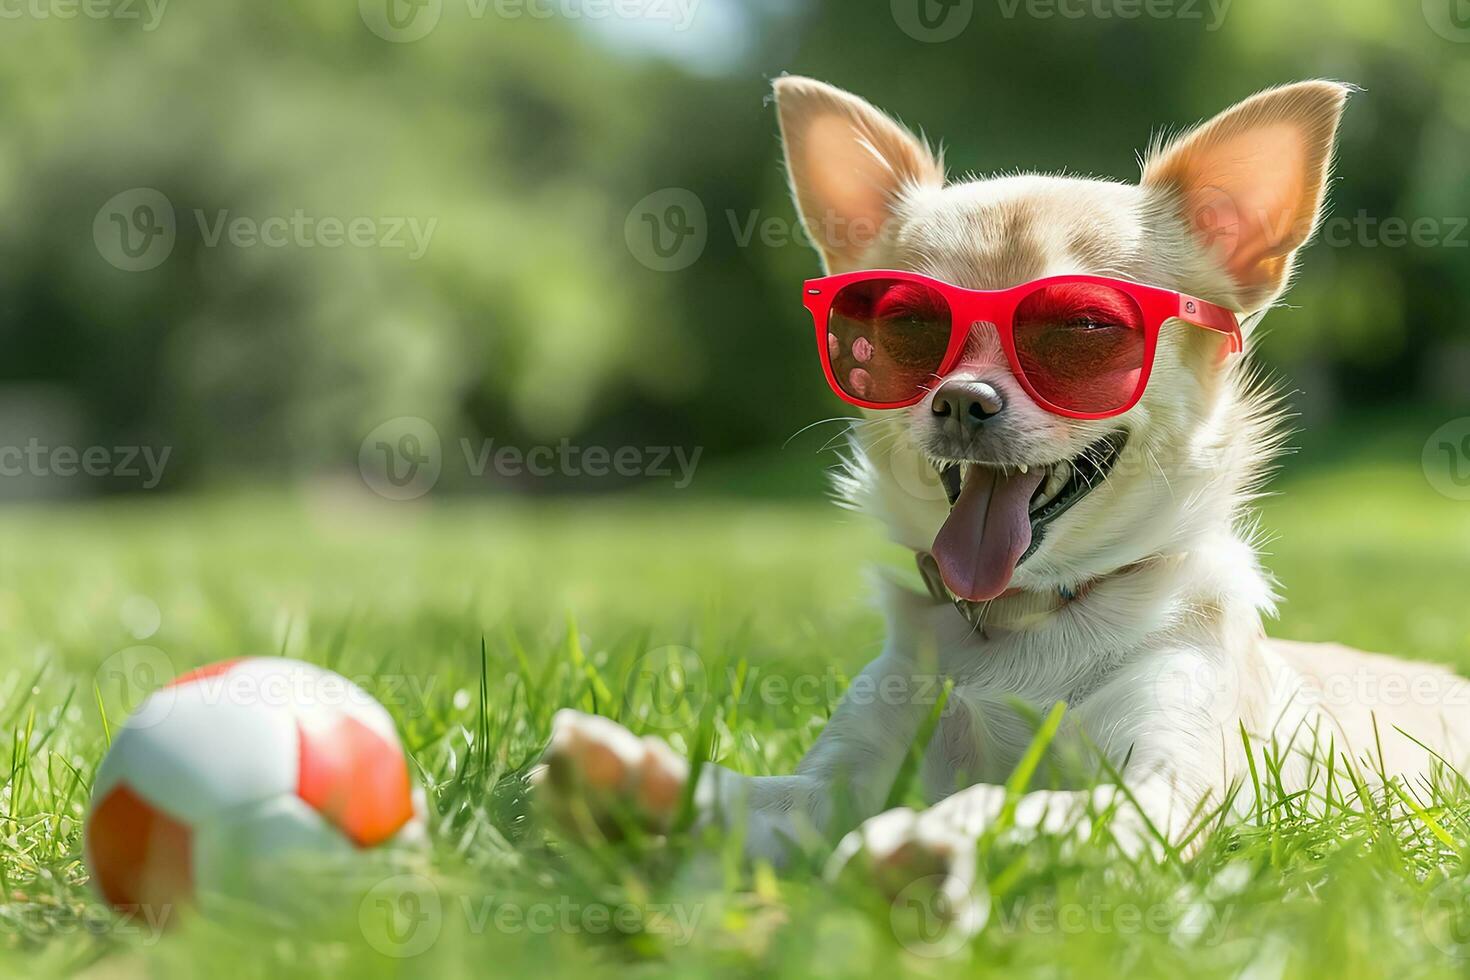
(1121,581)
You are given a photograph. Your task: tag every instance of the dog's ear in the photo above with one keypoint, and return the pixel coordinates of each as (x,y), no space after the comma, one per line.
(1250,182)
(849,164)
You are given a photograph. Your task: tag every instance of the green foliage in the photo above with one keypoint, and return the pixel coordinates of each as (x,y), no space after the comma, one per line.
(528,141)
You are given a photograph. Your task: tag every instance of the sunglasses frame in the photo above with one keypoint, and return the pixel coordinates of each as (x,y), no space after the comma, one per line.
(998,307)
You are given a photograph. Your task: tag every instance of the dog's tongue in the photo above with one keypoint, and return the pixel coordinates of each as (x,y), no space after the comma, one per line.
(988,530)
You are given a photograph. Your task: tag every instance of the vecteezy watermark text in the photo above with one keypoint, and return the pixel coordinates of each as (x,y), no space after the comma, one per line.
(148,13)
(137,229)
(141,925)
(36,459)
(404,21)
(1211,12)
(403,458)
(668,230)
(1369,231)
(403,916)
(137,680)
(937,21)
(304,230)
(570,460)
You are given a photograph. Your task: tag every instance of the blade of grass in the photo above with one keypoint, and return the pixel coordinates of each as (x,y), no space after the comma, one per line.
(914,757)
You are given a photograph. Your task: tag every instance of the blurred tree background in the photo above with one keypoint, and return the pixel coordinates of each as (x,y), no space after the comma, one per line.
(523,135)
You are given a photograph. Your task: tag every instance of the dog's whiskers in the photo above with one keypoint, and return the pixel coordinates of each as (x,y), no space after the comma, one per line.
(813,425)
(1149,453)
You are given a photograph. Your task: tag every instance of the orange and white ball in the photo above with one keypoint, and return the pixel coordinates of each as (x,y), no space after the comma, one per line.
(238,770)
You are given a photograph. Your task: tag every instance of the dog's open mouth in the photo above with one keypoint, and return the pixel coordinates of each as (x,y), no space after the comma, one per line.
(998,515)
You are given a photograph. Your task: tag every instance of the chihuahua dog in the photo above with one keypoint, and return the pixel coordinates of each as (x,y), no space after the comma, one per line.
(1064,357)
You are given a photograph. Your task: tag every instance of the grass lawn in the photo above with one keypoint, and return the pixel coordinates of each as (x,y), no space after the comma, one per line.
(574,601)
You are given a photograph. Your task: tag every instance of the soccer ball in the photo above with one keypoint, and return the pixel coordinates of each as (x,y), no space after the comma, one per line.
(235,773)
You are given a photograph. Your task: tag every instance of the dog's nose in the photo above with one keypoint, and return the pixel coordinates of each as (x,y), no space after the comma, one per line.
(971,402)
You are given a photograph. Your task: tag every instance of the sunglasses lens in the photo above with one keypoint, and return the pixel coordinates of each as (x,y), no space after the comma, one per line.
(1081,346)
(886,339)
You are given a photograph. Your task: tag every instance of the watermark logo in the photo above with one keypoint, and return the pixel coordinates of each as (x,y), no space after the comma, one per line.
(935,916)
(666,688)
(916,476)
(1450,19)
(401,916)
(131,684)
(1446,917)
(400,21)
(932,21)
(667,231)
(1447,459)
(402,458)
(404,916)
(135,230)
(1217,220)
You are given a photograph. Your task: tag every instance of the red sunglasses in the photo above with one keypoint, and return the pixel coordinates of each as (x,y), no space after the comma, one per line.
(1081,346)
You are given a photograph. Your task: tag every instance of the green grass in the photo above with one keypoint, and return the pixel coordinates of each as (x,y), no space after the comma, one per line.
(763,603)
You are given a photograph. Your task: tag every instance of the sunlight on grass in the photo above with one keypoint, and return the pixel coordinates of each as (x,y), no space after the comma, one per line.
(574,602)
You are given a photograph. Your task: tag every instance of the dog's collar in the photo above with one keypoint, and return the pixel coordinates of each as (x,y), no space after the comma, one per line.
(976,613)
(1039,605)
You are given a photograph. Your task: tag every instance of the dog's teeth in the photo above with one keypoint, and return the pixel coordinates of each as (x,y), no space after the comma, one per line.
(1056,482)
(1025,469)
(1060,477)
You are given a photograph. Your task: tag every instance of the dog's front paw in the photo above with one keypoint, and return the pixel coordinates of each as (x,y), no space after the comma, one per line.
(597,779)
(922,867)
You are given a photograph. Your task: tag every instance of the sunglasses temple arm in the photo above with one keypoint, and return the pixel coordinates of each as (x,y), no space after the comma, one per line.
(1211,317)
